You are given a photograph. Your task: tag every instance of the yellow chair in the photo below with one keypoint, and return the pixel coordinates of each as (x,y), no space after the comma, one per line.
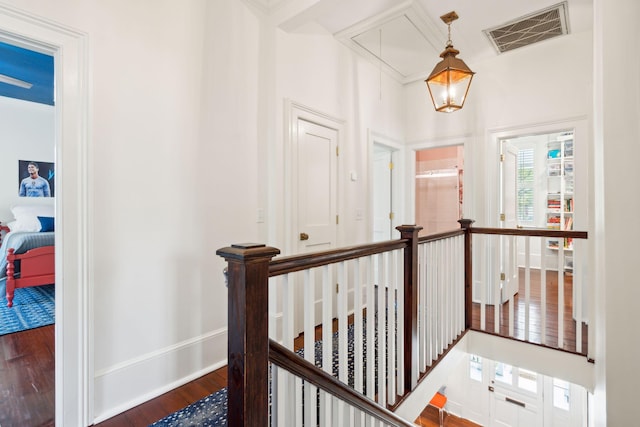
(438,401)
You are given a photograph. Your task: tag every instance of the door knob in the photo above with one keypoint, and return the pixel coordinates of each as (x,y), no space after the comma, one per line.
(304,236)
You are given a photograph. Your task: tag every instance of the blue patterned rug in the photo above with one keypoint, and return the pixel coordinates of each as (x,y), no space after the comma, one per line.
(32,308)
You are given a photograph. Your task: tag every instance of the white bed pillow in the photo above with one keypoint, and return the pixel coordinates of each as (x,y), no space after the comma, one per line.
(24,225)
(26,217)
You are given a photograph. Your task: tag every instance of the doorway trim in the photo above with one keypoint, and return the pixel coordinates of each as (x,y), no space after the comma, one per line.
(580,127)
(73,326)
(411,155)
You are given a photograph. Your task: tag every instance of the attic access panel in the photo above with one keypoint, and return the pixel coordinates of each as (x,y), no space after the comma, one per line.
(395,43)
(527,30)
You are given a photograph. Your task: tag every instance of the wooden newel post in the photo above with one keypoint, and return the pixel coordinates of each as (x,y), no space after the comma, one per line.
(465,224)
(411,304)
(248,333)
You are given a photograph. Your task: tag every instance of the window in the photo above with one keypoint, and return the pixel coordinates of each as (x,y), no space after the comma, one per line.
(504,373)
(475,367)
(561,398)
(525,185)
(527,380)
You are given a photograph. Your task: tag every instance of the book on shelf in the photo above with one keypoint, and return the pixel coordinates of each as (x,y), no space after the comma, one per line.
(568,243)
(568,223)
(568,205)
(553,219)
(553,206)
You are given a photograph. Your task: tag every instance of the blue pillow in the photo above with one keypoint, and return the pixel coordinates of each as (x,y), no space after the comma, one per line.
(47,223)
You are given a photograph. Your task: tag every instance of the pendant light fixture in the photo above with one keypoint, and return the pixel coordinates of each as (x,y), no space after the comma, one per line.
(450,79)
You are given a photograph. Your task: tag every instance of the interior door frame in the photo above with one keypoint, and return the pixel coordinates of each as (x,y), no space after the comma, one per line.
(412,149)
(492,181)
(398,157)
(73,326)
(293,112)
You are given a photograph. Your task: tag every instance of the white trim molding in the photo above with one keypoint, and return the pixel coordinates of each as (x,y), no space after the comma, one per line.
(73,354)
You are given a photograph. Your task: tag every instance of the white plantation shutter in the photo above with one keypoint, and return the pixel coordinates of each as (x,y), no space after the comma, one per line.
(525,185)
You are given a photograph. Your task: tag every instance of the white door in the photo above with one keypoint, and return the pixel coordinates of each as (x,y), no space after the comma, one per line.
(516,398)
(508,411)
(316,165)
(508,249)
(315,205)
(382,194)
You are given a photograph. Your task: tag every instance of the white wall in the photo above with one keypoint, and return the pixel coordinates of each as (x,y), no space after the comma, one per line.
(185,110)
(316,71)
(26,133)
(617,151)
(173,139)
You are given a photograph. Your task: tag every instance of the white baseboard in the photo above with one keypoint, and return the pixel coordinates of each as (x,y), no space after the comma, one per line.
(131,383)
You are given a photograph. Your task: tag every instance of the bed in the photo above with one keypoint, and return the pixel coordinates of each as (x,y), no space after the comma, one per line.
(28,259)
(27,252)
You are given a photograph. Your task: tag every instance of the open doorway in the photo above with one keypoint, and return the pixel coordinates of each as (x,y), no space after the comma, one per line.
(439,188)
(73,378)
(538,188)
(542,186)
(27,211)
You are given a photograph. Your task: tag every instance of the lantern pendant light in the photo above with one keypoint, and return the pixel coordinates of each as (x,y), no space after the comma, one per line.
(450,79)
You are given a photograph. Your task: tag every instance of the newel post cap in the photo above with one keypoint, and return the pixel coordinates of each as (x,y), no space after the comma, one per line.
(247,252)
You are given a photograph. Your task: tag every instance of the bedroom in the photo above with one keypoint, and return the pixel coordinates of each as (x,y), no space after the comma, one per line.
(209,125)
(27,177)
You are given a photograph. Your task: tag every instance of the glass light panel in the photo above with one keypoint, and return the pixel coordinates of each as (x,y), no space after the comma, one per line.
(561,396)
(448,90)
(528,380)
(504,373)
(475,367)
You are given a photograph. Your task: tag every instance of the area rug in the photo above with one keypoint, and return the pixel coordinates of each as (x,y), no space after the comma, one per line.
(32,308)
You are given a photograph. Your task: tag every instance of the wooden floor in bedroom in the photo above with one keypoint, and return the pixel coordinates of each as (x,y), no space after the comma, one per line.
(27,379)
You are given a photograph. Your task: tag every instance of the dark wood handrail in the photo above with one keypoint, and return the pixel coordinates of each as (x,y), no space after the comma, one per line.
(533,232)
(292,263)
(441,236)
(296,365)
(249,346)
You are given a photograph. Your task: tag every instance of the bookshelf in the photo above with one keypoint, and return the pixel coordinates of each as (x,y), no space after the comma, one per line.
(560,192)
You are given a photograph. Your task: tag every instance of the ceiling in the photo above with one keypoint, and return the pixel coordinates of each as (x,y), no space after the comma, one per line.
(25,74)
(406,37)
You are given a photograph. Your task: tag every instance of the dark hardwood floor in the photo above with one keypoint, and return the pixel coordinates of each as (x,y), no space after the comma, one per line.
(27,379)
(158,408)
(27,369)
(535,323)
(430,418)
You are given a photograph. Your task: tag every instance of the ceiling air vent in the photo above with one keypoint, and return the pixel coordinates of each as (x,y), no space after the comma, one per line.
(530,29)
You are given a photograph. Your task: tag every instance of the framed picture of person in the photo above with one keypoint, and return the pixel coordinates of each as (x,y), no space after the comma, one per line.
(36,179)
